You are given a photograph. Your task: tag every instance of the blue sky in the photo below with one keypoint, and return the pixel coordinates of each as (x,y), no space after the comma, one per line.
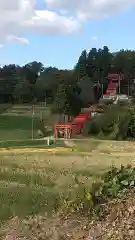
(116,32)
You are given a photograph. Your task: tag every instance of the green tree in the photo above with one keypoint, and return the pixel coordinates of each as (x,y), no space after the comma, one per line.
(23,92)
(32,70)
(106,63)
(87,91)
(81,66)
(61,104)
(92,68)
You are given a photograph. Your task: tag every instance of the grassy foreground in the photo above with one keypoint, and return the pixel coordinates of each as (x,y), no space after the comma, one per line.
(33,185)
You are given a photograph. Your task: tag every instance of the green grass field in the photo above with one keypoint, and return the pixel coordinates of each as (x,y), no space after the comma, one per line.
(29,144)
(16,127)
(16,121)
(19,131)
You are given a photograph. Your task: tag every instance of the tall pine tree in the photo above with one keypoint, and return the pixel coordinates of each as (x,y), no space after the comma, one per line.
(81,66)
(61,104)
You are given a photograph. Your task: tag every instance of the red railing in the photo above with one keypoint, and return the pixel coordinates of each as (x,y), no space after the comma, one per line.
(114,80)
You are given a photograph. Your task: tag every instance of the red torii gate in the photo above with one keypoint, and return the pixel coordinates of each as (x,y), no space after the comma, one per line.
(72,128)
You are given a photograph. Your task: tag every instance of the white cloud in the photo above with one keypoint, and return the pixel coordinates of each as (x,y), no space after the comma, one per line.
(60,17)
(49,22)
(14,38)
(90,9)
(95,38)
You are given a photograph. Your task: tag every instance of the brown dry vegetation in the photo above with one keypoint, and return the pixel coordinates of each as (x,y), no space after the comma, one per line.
(119,224)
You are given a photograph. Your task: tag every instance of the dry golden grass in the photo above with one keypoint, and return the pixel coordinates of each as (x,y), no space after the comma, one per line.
(31,185)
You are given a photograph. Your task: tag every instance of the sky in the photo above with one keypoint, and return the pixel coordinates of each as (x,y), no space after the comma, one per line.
(55,32)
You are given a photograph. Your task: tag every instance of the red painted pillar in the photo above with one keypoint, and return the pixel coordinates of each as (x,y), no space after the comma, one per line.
(55,130)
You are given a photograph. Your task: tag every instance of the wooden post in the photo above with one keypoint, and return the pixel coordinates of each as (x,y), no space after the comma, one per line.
(119,84)
(56,132)
(45,100)
(70,133)
(66,133)
(33,113)
(102,86)
(128,87)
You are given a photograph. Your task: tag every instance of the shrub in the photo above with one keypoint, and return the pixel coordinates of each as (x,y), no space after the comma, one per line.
(91,127)
(123,128)
(103,123)
(114,184)
(87,128)
(84,199)
(131,124)
(127,125)
(118,181)
(116,123)
(39,125)
(4,107)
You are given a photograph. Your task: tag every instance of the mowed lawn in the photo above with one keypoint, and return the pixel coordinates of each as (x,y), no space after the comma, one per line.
(16,132)
(16,127)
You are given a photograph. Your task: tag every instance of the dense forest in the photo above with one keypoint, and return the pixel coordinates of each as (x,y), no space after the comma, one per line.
(67,90)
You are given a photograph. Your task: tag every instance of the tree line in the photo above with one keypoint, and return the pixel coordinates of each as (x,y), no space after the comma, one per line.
(67,90)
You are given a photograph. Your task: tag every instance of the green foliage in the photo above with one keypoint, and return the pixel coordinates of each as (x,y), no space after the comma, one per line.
(127,125)
(87,94)
(114,184)
(87,128)
(131,124)
(39,124)
(68,90)
(4,107)
(102,123)
(118,181)
(123,126)
(81,66)
(116,123)
(95,125)
(61,104)
(35,82)
(83,199)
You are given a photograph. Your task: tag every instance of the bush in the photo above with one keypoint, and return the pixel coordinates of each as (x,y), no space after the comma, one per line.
(39,125)
(91,127)
(114,184)
(131,124)
(123,128)
(87,128)
(116,123)
(84,199)
(102,123)
(127,125)
(4,107)
(118,181)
